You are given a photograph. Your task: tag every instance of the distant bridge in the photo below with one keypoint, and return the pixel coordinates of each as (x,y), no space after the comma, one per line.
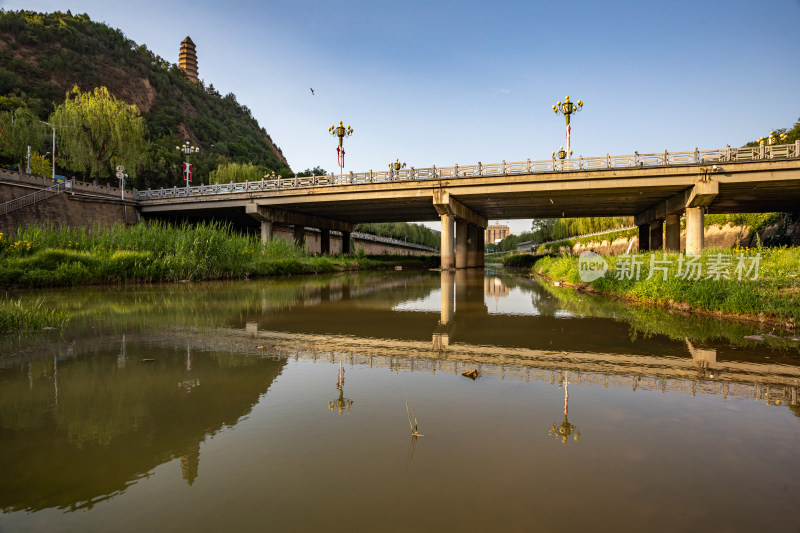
(654,188)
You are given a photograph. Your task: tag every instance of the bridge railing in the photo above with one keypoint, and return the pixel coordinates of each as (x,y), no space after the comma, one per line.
(660,159)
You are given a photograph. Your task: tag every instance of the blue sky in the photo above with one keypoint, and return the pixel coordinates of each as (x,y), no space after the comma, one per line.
(460,82)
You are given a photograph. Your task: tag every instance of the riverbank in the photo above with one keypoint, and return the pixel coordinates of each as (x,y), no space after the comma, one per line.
(157,252)
(756,285)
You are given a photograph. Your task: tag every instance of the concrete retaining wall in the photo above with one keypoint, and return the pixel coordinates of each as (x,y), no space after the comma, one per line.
(73,209)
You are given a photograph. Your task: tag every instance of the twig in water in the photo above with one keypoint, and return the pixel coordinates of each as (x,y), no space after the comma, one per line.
(413,424)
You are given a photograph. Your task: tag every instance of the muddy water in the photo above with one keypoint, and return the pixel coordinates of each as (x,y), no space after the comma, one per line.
(287,404)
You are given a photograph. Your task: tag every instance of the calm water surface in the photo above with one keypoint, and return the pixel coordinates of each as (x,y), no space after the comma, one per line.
(281,405)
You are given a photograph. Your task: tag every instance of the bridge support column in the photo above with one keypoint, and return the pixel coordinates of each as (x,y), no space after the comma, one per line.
(447,247)
(299,234)
(325,241)
(461,243)
(472,245)
(644,237)
(345,243)
(266,231)
(672,241)
(694,230)
(450,209)
(481,247)
(657,235)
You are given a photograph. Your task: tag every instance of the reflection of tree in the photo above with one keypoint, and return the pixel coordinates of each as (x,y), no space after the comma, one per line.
(340,404)
(565,430)
(113,425)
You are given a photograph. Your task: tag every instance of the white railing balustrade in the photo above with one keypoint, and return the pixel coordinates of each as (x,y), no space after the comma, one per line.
(660,159)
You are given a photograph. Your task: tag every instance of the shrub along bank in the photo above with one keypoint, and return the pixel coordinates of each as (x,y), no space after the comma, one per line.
(156,252)
(755,283)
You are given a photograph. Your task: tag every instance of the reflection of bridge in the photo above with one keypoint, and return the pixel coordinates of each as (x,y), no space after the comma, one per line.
(655,188)
(699,373)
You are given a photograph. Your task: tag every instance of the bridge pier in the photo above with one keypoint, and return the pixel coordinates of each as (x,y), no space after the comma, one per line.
(299,234)
(695,235)
(268,217)
(644,237)
(462,238)
(266,231)
(447,245)
(469,226)
(657,235)
(693,200)
(325,241)
(345,243)
(672,242)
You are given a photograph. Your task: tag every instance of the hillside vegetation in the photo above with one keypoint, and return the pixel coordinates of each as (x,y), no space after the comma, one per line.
(43,56)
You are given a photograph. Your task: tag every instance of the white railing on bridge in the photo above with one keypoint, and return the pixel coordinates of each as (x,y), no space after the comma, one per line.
(660,159)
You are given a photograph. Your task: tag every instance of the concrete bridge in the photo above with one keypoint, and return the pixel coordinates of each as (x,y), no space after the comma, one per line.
(654,188)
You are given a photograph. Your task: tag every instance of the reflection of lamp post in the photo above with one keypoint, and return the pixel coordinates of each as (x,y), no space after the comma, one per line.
(188,382)
(341,132)
(567,109)
(187,149)
(565,430)
(341,403)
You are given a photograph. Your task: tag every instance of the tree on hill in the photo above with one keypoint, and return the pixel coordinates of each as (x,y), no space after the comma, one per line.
(235,172)
(97,132)
(61,50)
(19,129)
(316,171)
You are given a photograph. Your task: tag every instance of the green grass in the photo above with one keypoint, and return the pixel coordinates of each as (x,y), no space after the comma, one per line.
(50,256)
(14,316)
(775,293)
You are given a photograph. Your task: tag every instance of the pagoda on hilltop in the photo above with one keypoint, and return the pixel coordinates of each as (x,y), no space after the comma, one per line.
(188,59)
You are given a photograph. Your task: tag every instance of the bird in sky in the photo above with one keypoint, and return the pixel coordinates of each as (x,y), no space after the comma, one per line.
(312,91)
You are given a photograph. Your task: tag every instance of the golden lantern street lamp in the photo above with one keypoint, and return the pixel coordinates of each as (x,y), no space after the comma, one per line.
(187,149)
(562,154)
(567,109)
(341,132)
(396,166)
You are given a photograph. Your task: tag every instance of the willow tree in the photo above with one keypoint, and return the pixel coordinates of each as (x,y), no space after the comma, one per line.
(95,132)
(18,130)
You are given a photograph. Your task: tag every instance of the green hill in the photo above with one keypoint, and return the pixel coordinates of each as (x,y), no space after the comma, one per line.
(42,56)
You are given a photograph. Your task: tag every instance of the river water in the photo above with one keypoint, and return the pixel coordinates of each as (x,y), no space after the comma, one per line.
(287,405)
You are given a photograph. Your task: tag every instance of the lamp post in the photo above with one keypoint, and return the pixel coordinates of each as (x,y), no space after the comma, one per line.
(396,166)
(54,148)
(562,154)
(187,149)
(567,109)
(341,132)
